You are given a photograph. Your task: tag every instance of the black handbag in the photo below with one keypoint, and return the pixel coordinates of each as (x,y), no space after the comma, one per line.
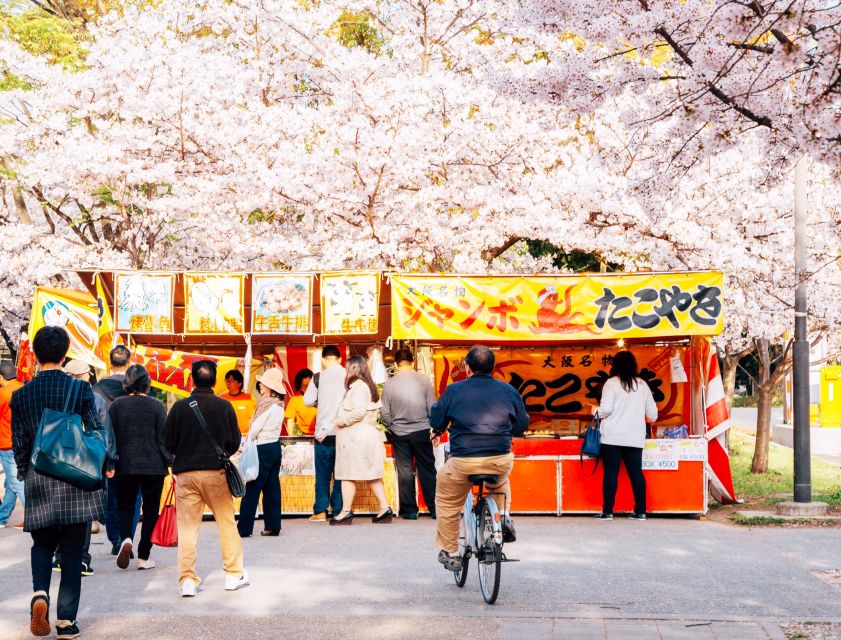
(65,450)
(236,483)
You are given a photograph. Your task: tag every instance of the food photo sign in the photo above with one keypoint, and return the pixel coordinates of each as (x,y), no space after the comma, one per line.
(281,303)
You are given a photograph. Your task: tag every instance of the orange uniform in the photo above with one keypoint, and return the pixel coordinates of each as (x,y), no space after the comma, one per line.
(6,392)
(244,406)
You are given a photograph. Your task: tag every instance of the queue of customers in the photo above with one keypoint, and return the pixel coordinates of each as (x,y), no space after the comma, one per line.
(339,406)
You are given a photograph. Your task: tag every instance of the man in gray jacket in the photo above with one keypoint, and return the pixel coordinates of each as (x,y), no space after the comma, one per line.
(406,402)
(326,392)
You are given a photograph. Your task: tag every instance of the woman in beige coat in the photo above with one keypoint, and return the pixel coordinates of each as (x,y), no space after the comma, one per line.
(360,452)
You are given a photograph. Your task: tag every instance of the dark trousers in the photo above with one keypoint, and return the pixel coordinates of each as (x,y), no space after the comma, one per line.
(86,548)
(325,463)
(68,540)
(612,456)
(416,447)
(150,488)
(112,522)
(267,482)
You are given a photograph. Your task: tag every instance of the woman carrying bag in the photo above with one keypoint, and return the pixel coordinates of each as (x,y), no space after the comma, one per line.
(266,425)
(625,406)
(138,422)
(360,446)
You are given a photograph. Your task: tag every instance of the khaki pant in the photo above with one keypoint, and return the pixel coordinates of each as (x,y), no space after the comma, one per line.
(193,490)
(452,489)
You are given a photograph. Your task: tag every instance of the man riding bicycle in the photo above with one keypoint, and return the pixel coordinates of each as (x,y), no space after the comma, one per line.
(482,414)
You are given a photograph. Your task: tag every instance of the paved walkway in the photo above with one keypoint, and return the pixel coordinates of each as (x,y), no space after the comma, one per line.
(578,578)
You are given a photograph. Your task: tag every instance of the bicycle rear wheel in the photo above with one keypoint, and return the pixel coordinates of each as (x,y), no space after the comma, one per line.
(460,576)
(489,557)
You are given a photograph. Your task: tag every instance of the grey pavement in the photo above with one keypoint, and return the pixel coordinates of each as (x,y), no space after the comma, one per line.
(578,578)
(745,418)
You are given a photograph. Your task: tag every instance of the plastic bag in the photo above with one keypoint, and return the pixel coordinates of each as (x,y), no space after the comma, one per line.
(249,461)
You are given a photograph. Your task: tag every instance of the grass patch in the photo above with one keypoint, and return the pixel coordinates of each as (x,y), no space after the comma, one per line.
(757,521)
(765,489)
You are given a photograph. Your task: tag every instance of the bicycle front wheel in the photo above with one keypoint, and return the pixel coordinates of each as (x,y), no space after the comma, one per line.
(460,576)
(489,555)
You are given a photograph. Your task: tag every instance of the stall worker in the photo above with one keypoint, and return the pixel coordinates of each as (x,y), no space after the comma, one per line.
(300,419)
(244,405)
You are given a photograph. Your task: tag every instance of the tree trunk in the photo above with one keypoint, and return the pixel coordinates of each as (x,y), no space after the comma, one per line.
(729,365)
(12,346)
(17,196)
(764,386)
(763,430)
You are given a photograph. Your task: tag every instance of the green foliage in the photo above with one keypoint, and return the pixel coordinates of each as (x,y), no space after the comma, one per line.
(354,29)
(60,41)
(574,260)
(9,82)
(753,521)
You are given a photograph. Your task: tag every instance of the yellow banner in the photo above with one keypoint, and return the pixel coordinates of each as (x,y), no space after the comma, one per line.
(144,302)
(76,312)
(213,303)
(350,303)
(556,308)
(281,303)
(566,382)
(171,370)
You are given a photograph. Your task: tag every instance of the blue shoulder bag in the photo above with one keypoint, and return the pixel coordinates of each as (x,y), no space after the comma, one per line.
(592,444)
(65,450)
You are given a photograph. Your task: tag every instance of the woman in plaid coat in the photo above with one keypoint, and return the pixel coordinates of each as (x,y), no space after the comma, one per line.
(56,514)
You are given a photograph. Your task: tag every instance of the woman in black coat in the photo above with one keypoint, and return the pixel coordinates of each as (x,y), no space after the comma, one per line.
(138,422)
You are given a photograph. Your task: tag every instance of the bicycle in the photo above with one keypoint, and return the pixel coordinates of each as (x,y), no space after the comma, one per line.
(480,535)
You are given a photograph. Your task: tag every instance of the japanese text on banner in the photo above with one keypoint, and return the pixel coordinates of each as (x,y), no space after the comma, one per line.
(556,383)
(556,308)
(213,303)
(144,302)
(350,303)
(281,303)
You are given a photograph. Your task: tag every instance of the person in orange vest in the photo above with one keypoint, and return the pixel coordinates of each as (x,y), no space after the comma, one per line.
(244,405)
(14,487)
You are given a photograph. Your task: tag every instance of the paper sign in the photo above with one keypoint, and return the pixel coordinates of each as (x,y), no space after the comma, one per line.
(281,304)
(350,303)
(144,302)
(213,304)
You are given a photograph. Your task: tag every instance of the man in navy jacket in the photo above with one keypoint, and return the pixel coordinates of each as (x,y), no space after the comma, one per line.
(482,415)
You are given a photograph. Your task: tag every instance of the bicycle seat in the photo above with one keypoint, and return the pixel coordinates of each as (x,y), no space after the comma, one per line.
(479,478)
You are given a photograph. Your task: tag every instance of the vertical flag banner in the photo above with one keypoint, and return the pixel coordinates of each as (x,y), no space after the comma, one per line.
(281,303)
(76,312)
(213,303)
(350,302)
(144,302)
(105,331)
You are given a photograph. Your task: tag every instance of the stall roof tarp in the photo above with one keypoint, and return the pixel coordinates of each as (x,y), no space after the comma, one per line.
(449,308)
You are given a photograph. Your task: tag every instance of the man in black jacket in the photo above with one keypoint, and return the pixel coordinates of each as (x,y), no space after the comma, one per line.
(482,414)
(200,478)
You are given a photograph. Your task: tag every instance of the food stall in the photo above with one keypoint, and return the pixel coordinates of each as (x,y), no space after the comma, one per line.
(554,336)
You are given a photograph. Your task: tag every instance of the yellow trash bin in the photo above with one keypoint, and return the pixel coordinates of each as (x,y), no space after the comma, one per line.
(831,396)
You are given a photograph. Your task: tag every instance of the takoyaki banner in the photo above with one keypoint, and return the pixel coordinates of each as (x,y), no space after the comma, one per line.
(556,308)
(172,370)
(565,382)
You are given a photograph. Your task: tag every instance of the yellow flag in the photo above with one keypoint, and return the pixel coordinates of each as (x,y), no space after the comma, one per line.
(105,323)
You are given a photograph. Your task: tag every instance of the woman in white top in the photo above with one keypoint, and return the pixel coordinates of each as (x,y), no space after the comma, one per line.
(265,431)
(625,406)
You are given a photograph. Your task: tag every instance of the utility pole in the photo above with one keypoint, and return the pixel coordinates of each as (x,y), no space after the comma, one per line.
(800,374)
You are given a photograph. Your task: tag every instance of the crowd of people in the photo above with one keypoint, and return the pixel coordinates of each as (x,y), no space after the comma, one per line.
(340,407)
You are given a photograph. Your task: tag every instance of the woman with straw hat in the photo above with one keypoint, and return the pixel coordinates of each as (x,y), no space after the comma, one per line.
(266,425)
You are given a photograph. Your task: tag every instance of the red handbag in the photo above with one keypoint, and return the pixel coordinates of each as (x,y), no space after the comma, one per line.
(165,533)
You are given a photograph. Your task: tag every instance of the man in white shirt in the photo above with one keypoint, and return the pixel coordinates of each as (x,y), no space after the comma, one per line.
(326,392)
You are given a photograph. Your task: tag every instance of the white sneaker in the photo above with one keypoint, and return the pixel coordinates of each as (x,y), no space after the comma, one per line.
(232,583)
(147,564)
(188,589)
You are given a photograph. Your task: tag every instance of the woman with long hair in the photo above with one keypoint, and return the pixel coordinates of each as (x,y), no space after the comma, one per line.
(360,450)
(265,430)
(138,423)
(625,406)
